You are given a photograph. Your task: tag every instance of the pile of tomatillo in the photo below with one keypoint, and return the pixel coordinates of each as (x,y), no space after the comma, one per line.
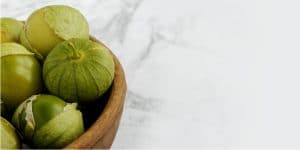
(49,67)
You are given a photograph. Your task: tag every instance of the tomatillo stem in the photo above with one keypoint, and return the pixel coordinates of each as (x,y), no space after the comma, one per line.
(75,52)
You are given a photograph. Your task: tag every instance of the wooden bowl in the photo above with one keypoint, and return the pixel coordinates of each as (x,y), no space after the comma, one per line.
(102,132)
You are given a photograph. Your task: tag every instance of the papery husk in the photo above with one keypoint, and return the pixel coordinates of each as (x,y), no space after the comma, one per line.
(60,130)
(7,49)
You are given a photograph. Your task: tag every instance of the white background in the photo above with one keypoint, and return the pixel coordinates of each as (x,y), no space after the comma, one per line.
(210,74)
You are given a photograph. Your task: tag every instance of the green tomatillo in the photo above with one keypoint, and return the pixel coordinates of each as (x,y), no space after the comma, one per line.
(9,136)
(48,122)
(10,30)
(21,75)
(50,25)
(79,70)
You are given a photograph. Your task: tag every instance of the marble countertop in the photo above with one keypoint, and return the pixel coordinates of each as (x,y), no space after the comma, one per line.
(205,74)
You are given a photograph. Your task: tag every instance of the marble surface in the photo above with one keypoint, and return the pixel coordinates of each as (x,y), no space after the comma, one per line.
(204,74)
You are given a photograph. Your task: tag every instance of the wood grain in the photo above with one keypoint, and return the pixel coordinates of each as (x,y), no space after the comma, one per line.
(101,134)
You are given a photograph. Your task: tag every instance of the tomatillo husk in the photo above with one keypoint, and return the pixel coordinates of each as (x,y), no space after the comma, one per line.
(21,74)
(48,122)
(10,30)
(25,42)
(79,70)
(50,25)
(9,136)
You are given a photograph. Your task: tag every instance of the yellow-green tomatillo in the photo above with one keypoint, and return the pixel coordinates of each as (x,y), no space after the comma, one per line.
(10,30)
(21,74)
(9,136)
(48,122)
(50,25)
(79,70)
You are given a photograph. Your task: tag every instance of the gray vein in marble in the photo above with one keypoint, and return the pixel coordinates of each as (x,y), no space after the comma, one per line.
(139,102)
(140,109)
(120,22)
(155,37)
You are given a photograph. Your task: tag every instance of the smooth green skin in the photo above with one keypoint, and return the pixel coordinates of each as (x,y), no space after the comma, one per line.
(55,124)
(9,137)
(43,113)
(10,30)
(78,70)
(20,78)
(48,26)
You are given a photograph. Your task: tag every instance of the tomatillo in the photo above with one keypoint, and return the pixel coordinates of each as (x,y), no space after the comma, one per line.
(20,75)
(10,30)
(50,25)
(48,122)
(9,136)
(79,70)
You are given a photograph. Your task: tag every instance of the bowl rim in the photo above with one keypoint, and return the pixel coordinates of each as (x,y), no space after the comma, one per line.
(112,109)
